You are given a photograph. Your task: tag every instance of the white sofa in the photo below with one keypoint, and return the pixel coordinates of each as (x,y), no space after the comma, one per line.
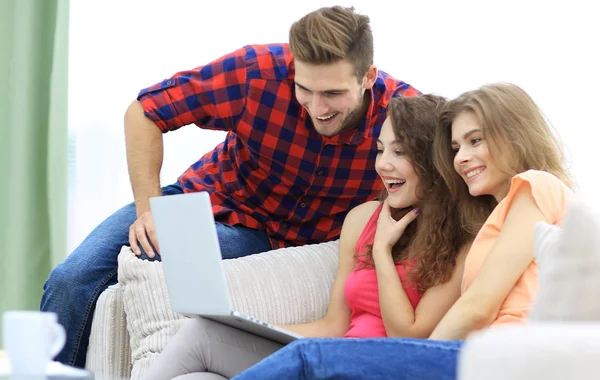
(133,320)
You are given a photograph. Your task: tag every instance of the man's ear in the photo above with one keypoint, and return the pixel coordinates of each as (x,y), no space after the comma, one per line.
(370,77)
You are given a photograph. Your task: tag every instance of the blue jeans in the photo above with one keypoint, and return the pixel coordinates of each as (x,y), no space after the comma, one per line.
(353,358)
(74,286)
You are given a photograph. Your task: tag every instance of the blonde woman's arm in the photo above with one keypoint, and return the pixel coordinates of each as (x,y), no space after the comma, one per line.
(336,321)
(507,261)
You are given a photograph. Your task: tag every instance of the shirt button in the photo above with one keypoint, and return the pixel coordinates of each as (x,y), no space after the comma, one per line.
(284,225)
(303,205)
(320,172)
(169,82)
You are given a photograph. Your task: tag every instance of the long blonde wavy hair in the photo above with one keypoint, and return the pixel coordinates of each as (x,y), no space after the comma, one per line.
(518,138)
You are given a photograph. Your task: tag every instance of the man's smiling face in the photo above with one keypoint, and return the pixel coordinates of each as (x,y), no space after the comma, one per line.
(332,95)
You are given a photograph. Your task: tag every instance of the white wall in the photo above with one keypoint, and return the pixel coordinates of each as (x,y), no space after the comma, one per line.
(550,48)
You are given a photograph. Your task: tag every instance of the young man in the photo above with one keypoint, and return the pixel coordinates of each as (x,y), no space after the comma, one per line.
(302,124)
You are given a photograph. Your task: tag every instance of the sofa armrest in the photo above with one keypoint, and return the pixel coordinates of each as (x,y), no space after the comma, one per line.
(540,350)
(109,352)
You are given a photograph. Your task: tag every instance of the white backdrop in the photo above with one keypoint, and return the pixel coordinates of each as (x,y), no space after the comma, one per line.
(550,48)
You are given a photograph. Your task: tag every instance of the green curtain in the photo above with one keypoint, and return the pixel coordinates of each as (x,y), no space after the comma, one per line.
(33,147)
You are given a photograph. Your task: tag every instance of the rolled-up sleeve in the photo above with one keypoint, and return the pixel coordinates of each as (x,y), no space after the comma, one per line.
(210,96)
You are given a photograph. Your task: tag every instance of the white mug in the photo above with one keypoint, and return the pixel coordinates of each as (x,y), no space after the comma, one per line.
(31,340)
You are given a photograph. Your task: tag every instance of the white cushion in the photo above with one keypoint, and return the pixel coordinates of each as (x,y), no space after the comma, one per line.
(150,320)
(545,351)
(569,268)
(283,286)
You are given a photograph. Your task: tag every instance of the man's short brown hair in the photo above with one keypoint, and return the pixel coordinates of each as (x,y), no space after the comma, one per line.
(331,34)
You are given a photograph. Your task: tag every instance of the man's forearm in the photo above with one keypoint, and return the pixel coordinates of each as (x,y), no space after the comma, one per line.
(144,145)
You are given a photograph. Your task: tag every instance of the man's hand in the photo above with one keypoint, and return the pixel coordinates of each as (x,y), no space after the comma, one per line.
(142,229)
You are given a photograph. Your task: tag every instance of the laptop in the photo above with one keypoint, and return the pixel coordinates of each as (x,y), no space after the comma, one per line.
(192,263)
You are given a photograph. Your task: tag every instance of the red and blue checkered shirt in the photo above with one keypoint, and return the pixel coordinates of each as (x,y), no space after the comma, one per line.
(273,171)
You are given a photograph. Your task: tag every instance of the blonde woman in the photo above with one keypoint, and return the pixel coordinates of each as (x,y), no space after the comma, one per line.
(501,161)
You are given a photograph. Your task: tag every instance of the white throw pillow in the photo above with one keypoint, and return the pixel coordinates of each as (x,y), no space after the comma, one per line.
(150,321)
(283,286)
(569,268)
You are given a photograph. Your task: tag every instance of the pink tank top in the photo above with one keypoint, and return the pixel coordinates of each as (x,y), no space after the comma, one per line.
(361,290)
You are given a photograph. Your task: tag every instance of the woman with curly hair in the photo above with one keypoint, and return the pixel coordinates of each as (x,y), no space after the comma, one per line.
(505,169)
(400,259)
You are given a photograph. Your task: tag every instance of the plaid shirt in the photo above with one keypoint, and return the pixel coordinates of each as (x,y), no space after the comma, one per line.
(273,171)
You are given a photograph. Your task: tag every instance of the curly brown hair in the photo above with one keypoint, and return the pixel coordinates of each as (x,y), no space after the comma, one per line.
(435,238)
